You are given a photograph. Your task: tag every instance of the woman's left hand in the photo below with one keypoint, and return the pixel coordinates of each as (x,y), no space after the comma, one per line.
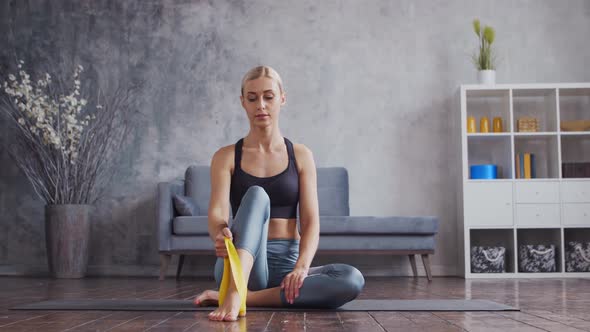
(292,282)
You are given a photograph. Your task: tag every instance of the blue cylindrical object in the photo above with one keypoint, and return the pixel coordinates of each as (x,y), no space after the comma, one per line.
(485,171)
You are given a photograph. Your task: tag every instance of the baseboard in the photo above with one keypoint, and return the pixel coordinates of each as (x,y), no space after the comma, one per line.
(22,270)
(194,271)
(397,271)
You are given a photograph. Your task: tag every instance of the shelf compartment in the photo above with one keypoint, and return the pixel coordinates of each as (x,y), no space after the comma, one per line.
(535,192)
(490,149)
(540,104)
(545,151)
(488,135)
(575,156)
(537,215)
(532,134)
(575,191)
(488,204)
(574,104)
(490,104)
(576,213)
(576,259)
(542,239)
(494,238)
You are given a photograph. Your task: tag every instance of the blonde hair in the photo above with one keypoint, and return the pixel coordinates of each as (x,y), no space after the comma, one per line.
(262,71)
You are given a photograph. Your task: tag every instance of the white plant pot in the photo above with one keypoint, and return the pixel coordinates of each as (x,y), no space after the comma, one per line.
(487,77)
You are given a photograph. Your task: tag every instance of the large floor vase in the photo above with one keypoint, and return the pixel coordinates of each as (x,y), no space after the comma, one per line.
(67,232)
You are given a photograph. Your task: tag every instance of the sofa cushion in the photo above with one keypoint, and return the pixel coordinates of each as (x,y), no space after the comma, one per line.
(193,225)
(348,225)
(376,242)
(332,183)
(198,185)
(190,243)
(185,206)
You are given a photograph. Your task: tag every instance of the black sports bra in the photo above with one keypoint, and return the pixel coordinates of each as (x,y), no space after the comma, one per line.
(283,188)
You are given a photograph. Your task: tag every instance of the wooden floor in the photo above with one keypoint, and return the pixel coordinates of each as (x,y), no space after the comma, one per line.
(546,305)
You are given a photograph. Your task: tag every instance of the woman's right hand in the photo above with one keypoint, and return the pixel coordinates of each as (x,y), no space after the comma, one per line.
(220,249)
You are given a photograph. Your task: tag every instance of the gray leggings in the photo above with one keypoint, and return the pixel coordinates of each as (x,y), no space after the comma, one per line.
(326,286)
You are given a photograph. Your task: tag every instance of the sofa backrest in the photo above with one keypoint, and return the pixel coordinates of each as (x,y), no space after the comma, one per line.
(332,189)
(197,184)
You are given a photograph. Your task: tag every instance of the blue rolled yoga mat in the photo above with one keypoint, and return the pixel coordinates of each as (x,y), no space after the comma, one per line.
(484,171)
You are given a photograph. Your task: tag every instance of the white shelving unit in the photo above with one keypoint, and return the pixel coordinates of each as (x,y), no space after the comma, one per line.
(509,211)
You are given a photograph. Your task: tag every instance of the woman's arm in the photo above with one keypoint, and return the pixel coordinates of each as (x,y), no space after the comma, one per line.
(309,218)
(310,223)
(218,212)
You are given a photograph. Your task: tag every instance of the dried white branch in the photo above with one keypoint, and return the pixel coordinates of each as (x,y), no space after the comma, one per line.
(63,143)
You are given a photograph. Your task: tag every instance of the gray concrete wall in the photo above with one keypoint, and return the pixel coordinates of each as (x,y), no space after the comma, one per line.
(371,86)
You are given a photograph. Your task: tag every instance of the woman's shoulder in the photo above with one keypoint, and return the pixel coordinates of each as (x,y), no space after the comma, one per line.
(225,151)
(301,149)
(224,157)
(303,156)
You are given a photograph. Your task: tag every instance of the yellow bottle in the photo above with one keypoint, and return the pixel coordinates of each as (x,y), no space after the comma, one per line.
(471,124)
(497,124)
(484,125)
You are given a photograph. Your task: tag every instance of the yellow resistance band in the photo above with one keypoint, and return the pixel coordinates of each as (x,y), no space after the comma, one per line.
(232,263)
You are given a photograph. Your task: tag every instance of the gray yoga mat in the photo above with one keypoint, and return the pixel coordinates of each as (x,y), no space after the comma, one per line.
(185,305)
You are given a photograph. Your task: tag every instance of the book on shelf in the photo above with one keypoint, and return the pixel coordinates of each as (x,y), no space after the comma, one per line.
(533,168)
(575,169)
(525,166)
(517,168)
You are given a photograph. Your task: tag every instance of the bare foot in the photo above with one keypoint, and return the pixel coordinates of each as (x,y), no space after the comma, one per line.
(229,310)
(208,298)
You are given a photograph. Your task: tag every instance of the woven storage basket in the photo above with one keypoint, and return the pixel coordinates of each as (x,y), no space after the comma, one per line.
(527,124)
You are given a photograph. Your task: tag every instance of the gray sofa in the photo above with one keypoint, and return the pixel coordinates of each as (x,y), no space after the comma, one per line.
(339,232)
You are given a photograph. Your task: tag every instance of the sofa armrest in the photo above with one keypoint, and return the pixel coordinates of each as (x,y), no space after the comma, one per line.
(165,211)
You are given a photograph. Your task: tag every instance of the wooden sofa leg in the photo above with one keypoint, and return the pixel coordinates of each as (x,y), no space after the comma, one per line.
(179,269)
(164,262)
(413,264)
(426,262)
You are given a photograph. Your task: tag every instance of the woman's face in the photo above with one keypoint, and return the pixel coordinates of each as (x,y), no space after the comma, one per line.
(262,100)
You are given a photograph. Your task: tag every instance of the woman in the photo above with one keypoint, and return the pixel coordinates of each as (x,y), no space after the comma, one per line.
(264,194)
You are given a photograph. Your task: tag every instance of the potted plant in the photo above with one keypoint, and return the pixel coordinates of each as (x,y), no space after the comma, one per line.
(485,58)
(63,142)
